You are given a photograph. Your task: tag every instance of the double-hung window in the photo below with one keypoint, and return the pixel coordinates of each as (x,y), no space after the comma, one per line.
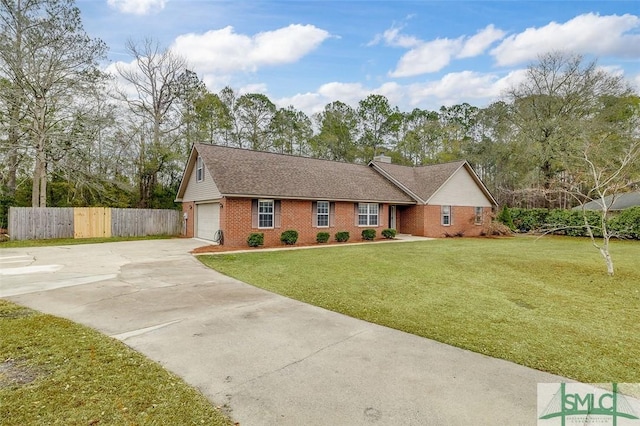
(446,215)
(478,216)
(265,213)
(199,169)
(368,214)
(323,214)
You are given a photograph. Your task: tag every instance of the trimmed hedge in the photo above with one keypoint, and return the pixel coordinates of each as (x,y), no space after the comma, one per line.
(255,239)
(389,233)
(369,234)
(342,236)
(289,237)
(625,224)
(322,237)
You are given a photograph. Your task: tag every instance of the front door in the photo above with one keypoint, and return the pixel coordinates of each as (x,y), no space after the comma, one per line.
(392,217)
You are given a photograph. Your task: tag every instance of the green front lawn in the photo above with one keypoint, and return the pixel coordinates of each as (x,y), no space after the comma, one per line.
(545,303)
(55,372)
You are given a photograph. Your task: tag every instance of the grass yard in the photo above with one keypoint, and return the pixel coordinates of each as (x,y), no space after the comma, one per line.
(544,303)
(56,372)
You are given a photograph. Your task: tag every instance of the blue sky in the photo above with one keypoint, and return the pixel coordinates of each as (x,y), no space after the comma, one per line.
(419,54)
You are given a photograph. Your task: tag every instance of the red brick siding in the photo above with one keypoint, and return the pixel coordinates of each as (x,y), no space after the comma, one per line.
(236,222)
(190,209)
(410,220)
(462,220)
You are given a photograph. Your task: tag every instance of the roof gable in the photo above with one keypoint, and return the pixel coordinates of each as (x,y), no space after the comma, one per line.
(423,182)
(241,172)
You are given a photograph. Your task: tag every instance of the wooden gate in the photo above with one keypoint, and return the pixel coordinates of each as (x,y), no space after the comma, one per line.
(92,222)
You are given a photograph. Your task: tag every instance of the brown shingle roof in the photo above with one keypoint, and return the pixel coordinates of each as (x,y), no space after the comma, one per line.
(262,174)
(421,181)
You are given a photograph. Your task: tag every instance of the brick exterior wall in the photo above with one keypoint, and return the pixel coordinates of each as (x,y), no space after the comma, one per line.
(190,209)
(462,220)
(410,220)
(236,222)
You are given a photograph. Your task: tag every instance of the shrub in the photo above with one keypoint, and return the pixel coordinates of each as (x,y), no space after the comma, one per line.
(342,236)
(322,237)
(389,233)
(369,234)
(505,218)
(571,222)
(289,237)
(496,228)
(627,223)
(526,220)
(255,239)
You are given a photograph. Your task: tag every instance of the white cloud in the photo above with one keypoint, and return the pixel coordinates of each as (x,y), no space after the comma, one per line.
(465,85)
(392,37)
(477,44)
(349,93)
(428,57)
(310,103)
(476,88)
(432,56)
(588,34)
(137,7)
(254,88)
(225,51)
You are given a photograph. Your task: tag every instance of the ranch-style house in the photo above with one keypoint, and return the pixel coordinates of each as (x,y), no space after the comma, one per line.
(233,192)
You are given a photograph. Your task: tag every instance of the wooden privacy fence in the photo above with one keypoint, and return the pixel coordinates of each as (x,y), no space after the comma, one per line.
(34,223)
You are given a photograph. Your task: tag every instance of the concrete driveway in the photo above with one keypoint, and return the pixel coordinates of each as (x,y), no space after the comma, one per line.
(269,359)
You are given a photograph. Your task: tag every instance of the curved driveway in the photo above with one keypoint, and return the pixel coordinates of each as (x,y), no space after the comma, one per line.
(267,359)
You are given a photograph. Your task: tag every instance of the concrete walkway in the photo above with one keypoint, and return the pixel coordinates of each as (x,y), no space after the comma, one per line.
(268,359)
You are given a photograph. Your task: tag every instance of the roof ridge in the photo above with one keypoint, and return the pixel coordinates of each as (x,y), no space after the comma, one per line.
(279,154)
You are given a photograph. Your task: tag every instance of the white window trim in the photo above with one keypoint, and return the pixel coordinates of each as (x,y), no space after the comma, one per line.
(273,213)
(369,215)
(443,214)
(199,169)
(318,214)
(476,215)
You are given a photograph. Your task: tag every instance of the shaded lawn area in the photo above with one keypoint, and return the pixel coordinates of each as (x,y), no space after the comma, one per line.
(75,241)
(544,303)
(53,371)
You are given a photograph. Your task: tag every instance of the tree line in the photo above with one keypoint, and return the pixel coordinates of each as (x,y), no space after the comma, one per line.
(72,135)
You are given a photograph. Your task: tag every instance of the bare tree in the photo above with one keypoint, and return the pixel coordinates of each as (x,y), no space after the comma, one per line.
(48,60)
(153,78)
(607,165)
(560,93)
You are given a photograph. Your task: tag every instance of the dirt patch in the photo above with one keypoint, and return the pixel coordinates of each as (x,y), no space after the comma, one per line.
(16,313)
(14,374)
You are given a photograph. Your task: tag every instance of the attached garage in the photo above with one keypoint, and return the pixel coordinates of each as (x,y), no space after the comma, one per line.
(207,220)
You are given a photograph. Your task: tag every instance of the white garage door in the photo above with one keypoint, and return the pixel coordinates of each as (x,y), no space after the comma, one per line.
(208,220)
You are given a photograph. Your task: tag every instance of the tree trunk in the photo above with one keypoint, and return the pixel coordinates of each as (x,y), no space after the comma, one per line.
(12,156)
(39,188)
(604,251)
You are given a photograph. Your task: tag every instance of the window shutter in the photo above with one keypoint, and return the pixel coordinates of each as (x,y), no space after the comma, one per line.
(314,214)
(380,214)
(355,205)
(276,214)
(254,213)
(332,214)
